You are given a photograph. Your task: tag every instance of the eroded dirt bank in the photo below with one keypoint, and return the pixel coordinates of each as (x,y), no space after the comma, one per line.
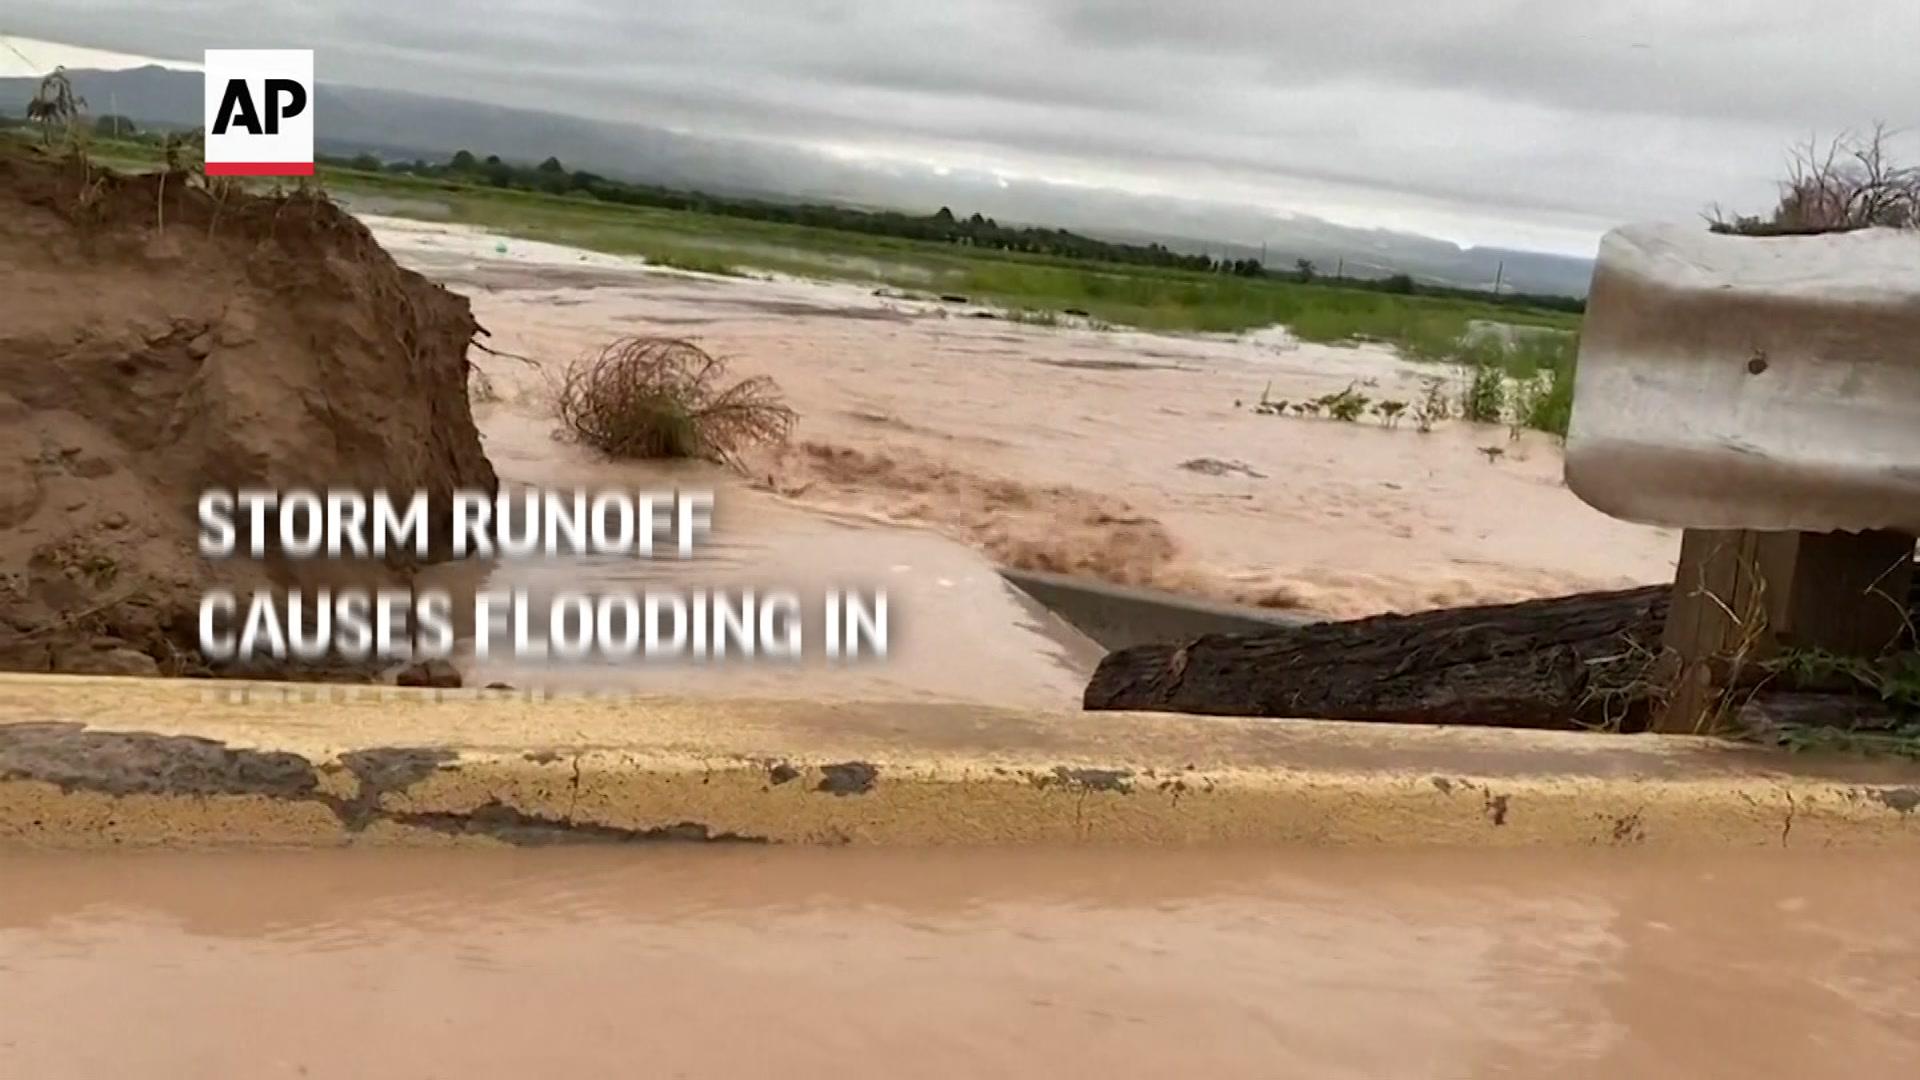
(156,340)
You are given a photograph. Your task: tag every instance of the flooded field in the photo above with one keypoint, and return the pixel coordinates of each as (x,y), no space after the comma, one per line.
(933,444)
(674,962)
(1112,452)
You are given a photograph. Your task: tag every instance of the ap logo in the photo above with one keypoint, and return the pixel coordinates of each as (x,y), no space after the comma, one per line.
(259,112)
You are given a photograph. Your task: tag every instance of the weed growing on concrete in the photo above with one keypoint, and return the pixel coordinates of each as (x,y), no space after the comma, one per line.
(1893,679)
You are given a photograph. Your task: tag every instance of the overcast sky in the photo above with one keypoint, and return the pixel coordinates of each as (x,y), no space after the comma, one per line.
(1520,122)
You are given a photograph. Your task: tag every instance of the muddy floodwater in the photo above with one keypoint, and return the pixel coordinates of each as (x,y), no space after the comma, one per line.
(850,963)
(939,440)
(1127,455)
(957,631)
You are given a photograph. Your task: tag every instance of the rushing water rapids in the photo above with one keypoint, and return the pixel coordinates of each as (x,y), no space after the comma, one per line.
(1123,456)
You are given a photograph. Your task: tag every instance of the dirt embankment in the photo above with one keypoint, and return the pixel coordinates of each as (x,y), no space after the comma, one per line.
(156,340)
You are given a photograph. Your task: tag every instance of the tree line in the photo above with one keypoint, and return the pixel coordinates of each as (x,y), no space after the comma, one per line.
(943,226)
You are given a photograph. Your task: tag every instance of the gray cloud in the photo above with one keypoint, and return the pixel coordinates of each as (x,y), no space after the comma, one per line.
(1498,120)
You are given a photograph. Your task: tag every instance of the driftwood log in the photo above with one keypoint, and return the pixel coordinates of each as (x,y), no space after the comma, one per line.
(1588,660)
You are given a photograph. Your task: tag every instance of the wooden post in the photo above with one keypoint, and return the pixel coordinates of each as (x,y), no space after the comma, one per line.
(1741,598)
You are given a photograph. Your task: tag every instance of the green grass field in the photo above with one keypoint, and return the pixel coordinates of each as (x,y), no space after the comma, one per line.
(1149,298)
(1432,328)
(1146,297)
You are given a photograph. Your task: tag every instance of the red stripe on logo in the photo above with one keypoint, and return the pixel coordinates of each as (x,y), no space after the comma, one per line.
(259,168)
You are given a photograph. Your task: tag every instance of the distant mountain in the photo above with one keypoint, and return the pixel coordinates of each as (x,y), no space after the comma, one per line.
(398,126)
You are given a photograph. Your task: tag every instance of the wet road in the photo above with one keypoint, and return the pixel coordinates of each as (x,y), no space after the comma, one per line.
(749,961)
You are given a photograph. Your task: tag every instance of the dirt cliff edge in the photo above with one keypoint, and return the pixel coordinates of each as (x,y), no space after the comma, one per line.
(158,338)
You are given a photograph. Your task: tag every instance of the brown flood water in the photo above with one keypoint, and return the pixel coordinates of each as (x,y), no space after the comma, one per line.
(932,446)
(1131,456)
(957,630)
(850,963)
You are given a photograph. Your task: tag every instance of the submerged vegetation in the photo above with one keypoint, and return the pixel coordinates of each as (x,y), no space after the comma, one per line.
(1526,382)
(1522,383)
(1485,399)
(696,264)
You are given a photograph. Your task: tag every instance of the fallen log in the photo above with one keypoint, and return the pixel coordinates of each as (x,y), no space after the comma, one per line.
(1539,663)
(1588,660)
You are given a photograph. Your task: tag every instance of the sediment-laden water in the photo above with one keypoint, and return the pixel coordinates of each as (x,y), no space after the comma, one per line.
(855,963)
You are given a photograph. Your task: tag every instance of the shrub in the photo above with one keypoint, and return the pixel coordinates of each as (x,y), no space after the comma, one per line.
(1434,406)
(1484,399)
(653,397)
(1544,401)
(1851,183)
(1348,405)
(1521,377)
(1549,402)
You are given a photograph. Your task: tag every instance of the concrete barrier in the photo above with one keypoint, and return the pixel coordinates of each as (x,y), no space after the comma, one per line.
(1735,382)
(103,763)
